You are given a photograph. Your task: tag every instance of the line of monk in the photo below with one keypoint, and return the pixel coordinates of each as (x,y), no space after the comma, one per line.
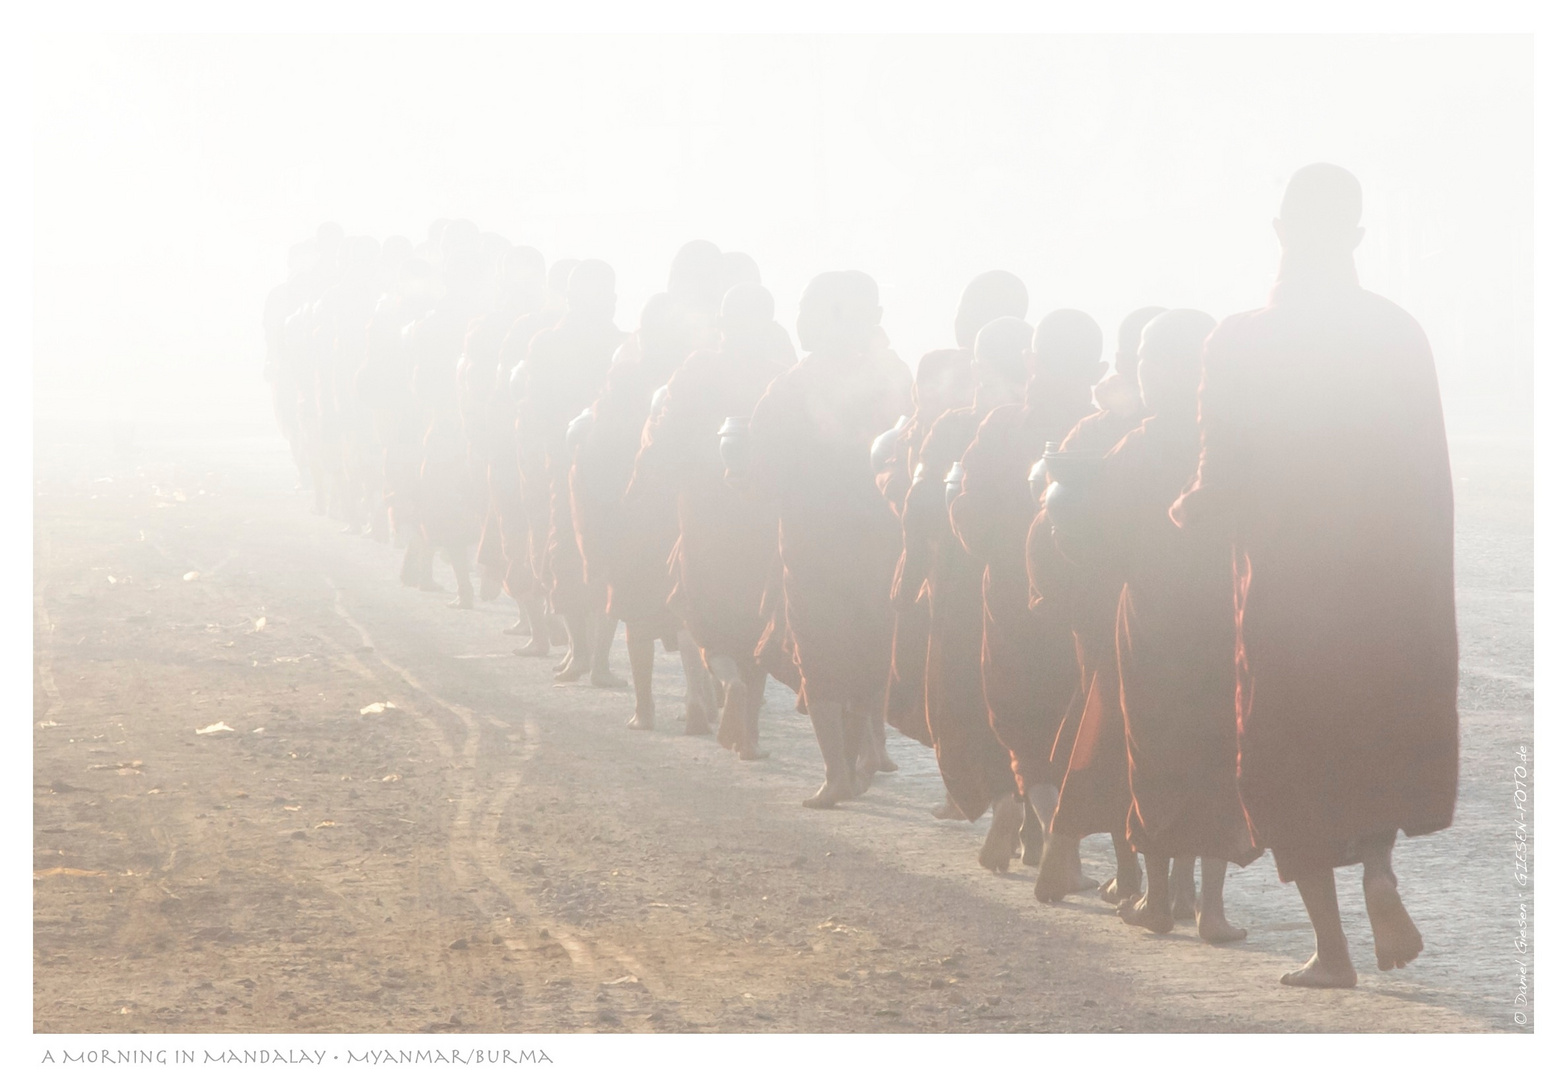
(1200,601)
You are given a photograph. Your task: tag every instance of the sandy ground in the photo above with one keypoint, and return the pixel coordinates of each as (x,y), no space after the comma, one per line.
(497,854)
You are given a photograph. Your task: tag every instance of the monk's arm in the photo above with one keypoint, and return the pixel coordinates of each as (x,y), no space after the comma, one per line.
(1215,493)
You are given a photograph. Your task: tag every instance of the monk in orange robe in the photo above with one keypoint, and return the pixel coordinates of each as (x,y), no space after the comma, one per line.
(525,523)
(563,373)
(1028,683)
(935,569)
(727,541)
(1324,459)
(810,439)
(1175,641)
(943,380)
(1090,747)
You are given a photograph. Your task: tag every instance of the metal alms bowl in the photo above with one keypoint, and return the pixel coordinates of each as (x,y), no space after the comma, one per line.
(734,443)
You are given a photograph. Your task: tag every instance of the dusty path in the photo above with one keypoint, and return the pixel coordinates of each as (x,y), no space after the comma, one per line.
(495,854)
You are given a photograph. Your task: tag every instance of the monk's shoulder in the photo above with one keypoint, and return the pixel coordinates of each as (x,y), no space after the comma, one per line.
(950,435)
(1000,423)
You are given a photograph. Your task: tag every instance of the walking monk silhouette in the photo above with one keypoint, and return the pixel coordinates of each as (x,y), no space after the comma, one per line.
(1324,458)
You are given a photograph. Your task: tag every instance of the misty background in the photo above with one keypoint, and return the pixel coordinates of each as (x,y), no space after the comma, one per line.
(173,172)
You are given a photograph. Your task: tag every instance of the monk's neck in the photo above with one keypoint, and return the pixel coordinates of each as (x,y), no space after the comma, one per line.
(1060,399)
(1301,272)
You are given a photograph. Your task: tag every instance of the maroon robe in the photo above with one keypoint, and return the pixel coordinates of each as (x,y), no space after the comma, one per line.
(1324,449)
(728,539)
(1095,794)
(1027,687)
(975,767)
(563,373)
(810,440)
(1175,651)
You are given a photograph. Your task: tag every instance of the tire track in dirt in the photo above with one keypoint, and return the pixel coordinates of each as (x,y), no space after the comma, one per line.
(480,849)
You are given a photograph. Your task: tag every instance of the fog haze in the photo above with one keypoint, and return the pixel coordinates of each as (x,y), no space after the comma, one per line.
(172,173)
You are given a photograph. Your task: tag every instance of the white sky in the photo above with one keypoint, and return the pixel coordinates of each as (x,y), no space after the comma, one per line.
(172,173)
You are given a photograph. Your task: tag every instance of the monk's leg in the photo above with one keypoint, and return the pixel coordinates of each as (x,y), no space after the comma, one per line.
(575,663)
(878,730)
(1006,821)
(701,701)
(827,722)
(602,626)
(1151,911)
(1397,939)
(1060,866)
(459,556)
(731,716)
(1128,880)
(1033,836)
(1330,966)
(531,610)
(859,746)
(755,689)
(1212,926)
(1183,888)
(639,646)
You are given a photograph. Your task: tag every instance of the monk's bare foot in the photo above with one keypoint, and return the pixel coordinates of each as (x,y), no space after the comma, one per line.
(1140,912)
(1217,930)
(1397,940)
(571,670)
(751,753)
(639,722)
(1056,875)
(606,680)
(947,811)
(1033,837)
(1183,890)
(1081,882)
(864,772)
(462,602)
(1006,821)
(1112,893)
(534,647)
(886,764)
(731,723)
(830,794)
(1321,975)
(518,628)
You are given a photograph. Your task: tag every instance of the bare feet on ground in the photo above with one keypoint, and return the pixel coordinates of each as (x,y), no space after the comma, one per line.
(828,795)
(1217,930)
(1140,912)
(1397,939)
(1319,974)
(1006,821)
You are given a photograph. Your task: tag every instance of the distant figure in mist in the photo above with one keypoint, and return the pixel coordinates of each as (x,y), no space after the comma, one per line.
(1324,462)
(810,439)
(563,372)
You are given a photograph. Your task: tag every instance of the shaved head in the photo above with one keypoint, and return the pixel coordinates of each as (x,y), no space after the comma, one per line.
(991,295)
(1320,211)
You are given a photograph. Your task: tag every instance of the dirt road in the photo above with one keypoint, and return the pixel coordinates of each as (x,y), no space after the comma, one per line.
(492,853)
